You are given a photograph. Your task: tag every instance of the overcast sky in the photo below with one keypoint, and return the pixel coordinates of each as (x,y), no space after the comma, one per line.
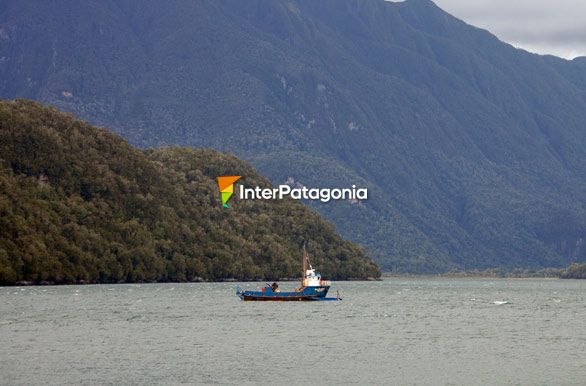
(556,27)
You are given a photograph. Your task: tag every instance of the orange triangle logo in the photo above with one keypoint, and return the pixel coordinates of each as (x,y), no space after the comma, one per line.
(225,182)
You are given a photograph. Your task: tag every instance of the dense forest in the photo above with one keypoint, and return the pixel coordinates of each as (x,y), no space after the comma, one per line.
(78,204)
(574,271)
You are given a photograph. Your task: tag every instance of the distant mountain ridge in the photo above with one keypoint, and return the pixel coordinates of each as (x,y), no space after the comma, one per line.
(473,151)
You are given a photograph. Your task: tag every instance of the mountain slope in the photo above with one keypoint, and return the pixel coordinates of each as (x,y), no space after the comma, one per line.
(473,150)
(78,203)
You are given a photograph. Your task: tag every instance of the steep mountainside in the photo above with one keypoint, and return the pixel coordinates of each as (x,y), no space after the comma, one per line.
(78,203)
(473,151)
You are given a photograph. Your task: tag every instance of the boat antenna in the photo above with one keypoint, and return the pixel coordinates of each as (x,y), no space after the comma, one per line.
(304,262)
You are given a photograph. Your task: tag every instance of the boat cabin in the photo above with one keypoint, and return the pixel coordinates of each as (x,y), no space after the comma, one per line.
(313,279)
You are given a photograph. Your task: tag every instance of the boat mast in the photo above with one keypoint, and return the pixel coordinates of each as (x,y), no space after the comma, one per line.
(304,265)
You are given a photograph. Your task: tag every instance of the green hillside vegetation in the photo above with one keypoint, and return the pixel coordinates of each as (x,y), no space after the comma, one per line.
(79,204)
(574,271)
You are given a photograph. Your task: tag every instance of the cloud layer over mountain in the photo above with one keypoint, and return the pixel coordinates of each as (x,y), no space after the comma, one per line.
(540,26)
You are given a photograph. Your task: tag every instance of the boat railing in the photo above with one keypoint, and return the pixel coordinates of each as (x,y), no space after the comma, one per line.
(325,282)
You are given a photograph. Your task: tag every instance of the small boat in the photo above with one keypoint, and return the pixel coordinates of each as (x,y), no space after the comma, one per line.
(312,288)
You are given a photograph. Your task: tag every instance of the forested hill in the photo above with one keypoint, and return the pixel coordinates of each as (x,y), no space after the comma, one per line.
(473,151)
(79,204)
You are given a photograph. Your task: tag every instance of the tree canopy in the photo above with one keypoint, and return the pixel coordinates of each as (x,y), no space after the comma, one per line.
(79,204)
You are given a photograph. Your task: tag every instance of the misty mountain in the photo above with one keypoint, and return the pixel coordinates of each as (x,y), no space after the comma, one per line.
(473,151)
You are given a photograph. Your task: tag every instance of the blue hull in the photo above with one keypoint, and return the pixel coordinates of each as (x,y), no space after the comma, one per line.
(306,294)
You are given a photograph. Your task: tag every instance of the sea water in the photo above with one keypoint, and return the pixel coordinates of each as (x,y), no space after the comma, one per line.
(397,331)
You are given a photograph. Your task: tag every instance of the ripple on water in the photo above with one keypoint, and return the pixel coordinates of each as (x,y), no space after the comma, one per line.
(406,331)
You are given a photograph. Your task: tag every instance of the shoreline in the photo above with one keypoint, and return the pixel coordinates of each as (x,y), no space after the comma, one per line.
(384,277)
(227,280)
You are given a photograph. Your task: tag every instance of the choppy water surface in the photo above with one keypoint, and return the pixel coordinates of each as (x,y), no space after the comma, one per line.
(399,331)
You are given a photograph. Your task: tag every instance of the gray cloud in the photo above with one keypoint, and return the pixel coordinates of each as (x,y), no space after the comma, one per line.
(541,26)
